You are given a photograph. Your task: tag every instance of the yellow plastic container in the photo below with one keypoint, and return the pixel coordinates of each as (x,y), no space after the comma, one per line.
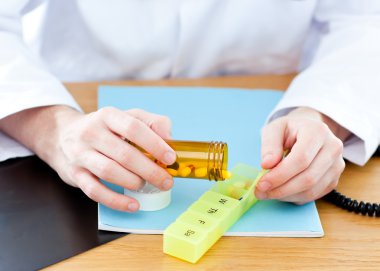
(207,219)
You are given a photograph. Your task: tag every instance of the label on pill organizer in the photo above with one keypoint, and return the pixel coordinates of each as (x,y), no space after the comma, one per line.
(150,197)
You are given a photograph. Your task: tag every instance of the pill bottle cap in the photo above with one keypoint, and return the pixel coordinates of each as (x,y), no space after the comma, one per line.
(150,197)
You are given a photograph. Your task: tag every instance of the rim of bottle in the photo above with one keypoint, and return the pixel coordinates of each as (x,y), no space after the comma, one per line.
(217,158)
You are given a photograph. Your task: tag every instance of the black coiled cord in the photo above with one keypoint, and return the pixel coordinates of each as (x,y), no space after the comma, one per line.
(352,205)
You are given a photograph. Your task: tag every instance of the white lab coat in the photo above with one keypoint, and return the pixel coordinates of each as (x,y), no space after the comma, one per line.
(334,44)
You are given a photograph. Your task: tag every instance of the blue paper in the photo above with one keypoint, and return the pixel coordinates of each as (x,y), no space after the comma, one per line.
(235,116)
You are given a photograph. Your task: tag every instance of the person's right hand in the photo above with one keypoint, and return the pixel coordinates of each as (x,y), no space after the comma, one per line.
(92,146)
(84,148)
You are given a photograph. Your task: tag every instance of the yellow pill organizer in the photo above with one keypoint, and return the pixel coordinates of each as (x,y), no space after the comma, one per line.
(207,219)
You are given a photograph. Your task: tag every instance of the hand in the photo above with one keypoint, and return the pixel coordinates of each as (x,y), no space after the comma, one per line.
(84,148)
(314,164)
(92,147)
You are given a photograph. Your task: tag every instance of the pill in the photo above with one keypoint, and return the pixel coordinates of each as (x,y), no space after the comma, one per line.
(239,184)
(248,184)
(235,194)
(184,172)
(230,190)
(200,172)
(172,172)
(226,174)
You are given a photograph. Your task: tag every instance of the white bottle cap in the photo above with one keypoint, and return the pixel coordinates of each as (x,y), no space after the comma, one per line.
(150,197)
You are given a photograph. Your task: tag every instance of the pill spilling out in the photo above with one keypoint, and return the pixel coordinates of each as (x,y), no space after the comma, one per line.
(226,174)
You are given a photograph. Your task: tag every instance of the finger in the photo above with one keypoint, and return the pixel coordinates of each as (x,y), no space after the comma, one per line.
(336,171)
(272,143)
(327,182)
(139,133)
(133,160)
(307,145)
(306,179)
(98,192)
(109,170)
(160,124)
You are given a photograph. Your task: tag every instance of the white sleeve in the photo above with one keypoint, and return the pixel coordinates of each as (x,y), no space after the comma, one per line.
(24,81)
(343,79)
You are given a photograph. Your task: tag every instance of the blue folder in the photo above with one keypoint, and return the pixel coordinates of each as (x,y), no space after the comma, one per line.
(235,116)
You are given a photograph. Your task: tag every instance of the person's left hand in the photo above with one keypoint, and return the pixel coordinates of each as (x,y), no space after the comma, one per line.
(314,164)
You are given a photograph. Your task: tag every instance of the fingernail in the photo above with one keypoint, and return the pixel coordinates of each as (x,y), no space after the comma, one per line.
(261,195)
(133,206)
(267,157)
(167,184)
(170,157)
(263,186)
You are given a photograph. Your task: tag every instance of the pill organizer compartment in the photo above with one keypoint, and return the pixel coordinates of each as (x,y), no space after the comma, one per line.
(207,219)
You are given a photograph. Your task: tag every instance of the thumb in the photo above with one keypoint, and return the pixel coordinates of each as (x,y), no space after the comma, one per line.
(272,141)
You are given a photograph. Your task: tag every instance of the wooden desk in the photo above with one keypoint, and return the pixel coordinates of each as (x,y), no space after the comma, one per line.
(351,242)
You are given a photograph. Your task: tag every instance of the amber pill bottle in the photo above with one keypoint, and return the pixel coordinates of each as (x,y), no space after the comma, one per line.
(197,160)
